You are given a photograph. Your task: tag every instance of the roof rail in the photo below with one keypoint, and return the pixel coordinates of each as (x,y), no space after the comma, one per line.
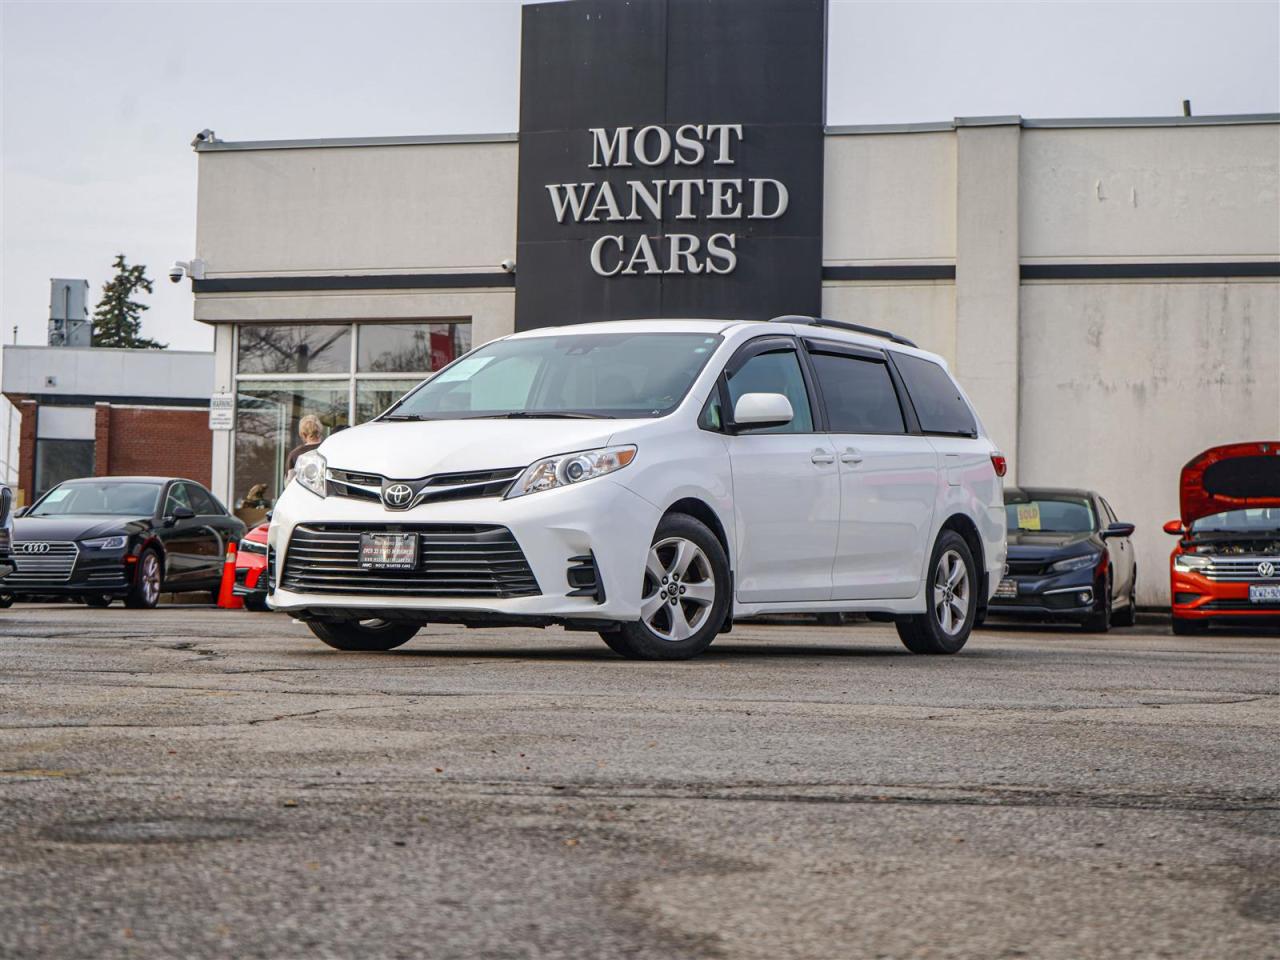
(842,325)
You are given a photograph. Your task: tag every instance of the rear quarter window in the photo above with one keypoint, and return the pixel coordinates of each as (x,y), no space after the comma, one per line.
(938,404)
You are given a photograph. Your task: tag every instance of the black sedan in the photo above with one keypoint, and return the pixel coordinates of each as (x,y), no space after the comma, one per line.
(1069,559)
(106,538)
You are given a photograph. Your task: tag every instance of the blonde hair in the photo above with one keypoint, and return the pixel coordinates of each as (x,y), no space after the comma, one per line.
(310,426)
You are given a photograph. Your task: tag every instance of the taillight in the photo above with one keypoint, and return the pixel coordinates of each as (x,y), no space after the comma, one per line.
(1000,464)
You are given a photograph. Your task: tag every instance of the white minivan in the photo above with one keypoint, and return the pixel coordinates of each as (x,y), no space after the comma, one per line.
(652,480)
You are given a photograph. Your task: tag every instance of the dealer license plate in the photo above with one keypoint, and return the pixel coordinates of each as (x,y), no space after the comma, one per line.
(1259,593)
(389,551)
(1007,590)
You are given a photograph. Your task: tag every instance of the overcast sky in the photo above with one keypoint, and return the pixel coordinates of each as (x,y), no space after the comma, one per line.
(100,100)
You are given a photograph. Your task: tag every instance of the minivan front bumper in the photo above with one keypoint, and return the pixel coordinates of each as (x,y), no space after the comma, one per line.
(553,530)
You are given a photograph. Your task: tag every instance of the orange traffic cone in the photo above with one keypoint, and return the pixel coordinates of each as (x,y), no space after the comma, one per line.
(227,599)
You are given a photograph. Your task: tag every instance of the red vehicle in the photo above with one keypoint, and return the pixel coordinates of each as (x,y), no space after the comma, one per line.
(1226,566)
(251,568)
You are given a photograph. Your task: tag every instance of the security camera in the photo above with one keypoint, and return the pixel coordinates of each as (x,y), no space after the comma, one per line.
(177,272)
(508,266)
(204,136)
(187,268)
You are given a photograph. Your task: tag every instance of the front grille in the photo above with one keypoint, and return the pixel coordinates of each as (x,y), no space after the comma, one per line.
(1026,568)
(454,560)
(1271,606)
(433,489)
(1240,569)
(52,566)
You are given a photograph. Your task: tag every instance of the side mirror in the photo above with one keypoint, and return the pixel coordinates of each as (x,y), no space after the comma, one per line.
(179,513)
(762,410)
(1175,527)
(1118,530)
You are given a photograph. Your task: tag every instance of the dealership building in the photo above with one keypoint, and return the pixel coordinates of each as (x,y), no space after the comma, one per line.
(1107,290)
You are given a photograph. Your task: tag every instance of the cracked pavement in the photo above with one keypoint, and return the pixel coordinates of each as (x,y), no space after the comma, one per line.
(190,782)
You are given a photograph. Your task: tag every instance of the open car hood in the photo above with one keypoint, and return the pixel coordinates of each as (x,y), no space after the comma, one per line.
(1231,477)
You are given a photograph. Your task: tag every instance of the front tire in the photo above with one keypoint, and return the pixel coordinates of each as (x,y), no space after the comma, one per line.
(684,597)
(952,595)
(1185,627)
(147,582)
(1100,620)
(365,636)
(101,601)
(1129,615)
(6,600)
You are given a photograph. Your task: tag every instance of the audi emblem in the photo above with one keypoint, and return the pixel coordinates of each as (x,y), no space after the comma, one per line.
(33,547)
(1266,569)
(397,495)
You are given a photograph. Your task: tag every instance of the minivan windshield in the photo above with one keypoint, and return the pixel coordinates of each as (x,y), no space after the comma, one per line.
(106,498)
(603,375)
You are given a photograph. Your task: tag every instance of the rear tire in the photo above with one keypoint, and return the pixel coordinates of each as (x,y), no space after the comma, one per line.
(685,594)
(1129,615)
(365,636)
(6,600)
(148,581)
(951,592)
(1184,627)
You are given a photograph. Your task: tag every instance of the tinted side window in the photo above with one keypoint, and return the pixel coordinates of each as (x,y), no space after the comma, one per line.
(1111,514)
(776,372)
(177,498)
(202,501)
(858,394)
(938,403)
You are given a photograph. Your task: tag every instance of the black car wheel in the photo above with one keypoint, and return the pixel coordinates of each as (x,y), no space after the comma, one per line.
(1129,615)
(256,605)
(6,600)
(367,636)
(1100,620)
(147,582)
(952,595)
(96,600)
(1184,627)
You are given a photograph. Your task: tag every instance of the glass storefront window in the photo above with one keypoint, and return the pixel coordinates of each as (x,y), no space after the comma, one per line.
(374,396)
(294,348)
(410,347)
(267,415)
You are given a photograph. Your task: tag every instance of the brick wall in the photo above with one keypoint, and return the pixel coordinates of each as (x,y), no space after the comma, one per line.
(149,441)
(30,410)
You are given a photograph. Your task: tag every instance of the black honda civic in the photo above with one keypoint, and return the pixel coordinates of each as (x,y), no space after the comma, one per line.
(1069,559)
(130,538)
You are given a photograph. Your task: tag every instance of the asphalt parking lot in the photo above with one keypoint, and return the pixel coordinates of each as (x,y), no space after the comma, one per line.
(201,783)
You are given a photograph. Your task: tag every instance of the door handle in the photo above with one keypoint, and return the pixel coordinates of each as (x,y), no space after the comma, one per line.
(851,456)
(821,456)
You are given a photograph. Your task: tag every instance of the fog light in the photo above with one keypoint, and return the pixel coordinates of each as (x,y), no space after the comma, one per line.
(1085,596)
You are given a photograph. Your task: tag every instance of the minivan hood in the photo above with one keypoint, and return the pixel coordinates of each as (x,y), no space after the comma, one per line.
(408,450)
(1230,477)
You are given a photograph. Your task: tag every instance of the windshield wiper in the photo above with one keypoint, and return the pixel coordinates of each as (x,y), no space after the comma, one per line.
(546,415)
(407,416)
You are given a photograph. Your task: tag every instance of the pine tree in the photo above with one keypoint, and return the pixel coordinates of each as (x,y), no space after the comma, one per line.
(117,320)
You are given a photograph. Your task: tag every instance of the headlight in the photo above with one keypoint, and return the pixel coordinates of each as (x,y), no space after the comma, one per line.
(105,543)
(309,470)
(1075,563)
(1190,562)
(566,469)
(253,546)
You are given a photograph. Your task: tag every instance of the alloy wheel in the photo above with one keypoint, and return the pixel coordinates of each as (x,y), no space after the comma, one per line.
(150,578)
(679,589)
(951,593)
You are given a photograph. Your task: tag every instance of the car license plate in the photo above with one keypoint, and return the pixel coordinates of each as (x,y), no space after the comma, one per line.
(1259,593)
(389,551)
(1007,589)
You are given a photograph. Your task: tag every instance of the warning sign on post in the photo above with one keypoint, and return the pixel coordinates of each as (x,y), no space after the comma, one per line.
(222,411)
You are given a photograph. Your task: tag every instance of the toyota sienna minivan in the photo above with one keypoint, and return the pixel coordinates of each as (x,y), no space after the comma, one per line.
(651,481)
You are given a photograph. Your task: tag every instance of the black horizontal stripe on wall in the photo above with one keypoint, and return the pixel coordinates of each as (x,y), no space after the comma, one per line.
(385,281)
(904,271)
(89,400)
(1148,271)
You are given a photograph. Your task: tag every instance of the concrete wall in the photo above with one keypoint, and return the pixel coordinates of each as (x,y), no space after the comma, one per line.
(104,373)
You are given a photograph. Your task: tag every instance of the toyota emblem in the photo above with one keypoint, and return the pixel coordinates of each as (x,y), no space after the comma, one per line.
(1266,569)
(33,547)
(397,495)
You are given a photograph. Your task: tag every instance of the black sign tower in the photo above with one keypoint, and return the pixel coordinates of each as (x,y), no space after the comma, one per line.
(670,159)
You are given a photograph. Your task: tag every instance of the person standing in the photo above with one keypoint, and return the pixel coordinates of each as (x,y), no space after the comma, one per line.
(311,433)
